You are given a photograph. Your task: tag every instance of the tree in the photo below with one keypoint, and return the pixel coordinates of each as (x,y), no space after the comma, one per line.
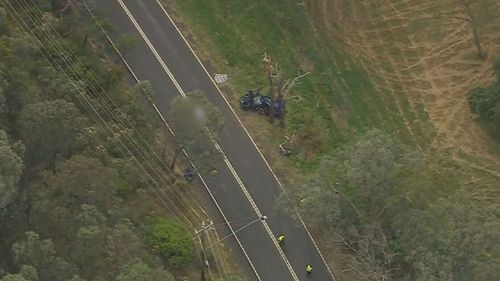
(283,87)
(140,112)
(73,18)
(81,180)
(138,270)
(88,250)
(485,102)
(170,240)
(270,77)
(190,117)
(352,196)
(76,278)
(4,23)
(13,277)
(3,102)
(29,273)
(50,129)
(451,240)
(77,181)
(90,216)
(42,256)
(284,92)
(144,88)
(11,167)
(118,255)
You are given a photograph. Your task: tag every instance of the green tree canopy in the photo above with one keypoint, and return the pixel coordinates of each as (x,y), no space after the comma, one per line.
(359,191)
(14,277)
(76,278)
(27,273)
(189,118)
(4,23)
(485,102)
(138,270)
(11,167)
(172,241)
(50,129)
(40,254)
(451,240)
(119,235)
(79,182)
(356,181)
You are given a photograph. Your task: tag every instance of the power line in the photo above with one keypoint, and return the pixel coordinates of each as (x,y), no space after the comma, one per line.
(139,147)
(94,114)
(89,106)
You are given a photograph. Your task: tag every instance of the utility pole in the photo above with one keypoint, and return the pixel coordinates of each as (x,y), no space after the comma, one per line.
(200,236)
(263,218)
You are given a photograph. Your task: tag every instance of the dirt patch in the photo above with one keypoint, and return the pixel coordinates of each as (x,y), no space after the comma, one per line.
(423,52)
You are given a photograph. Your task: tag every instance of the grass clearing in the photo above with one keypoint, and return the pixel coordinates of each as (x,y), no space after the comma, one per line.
(239,33)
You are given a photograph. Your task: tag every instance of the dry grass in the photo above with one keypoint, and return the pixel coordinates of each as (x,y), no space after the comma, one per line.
(421,51)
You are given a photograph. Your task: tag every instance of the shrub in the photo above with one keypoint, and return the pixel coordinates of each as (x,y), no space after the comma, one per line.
(171,241)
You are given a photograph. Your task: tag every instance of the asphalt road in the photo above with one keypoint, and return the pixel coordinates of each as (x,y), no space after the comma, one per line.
(245,176)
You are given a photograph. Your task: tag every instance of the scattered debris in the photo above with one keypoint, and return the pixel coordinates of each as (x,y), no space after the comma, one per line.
(286,146)
(220,78)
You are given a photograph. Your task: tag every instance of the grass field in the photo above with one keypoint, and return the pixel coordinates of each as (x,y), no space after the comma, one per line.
(422,54)
(236,37)
(404,66)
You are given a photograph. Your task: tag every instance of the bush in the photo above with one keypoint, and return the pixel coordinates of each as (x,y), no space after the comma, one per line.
(170,240)
(485,102)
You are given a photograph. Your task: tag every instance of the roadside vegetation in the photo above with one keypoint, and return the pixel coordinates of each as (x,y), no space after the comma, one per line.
(389,167)
(84,191)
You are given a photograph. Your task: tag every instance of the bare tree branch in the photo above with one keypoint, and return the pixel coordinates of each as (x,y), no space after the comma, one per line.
(290,83)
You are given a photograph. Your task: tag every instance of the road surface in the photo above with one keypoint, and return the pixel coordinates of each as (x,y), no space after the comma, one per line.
(245,186)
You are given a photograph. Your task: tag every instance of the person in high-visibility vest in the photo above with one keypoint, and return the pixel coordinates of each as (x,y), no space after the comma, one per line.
(281,239)
(309,269)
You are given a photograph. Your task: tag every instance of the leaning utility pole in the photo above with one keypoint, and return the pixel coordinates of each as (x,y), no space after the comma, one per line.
(200,236)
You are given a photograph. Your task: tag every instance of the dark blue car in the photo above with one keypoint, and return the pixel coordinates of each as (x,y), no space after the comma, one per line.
(255,101)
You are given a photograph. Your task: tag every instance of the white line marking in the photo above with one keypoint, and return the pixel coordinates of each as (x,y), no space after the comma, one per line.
(249,136)
(254,206)
(183,150)
(226,160)
(152,48)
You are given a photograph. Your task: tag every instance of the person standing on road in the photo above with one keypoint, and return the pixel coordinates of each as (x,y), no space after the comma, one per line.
(281,239)
(309,269)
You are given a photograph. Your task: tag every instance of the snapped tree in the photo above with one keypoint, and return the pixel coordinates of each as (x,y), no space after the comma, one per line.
(283,86)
